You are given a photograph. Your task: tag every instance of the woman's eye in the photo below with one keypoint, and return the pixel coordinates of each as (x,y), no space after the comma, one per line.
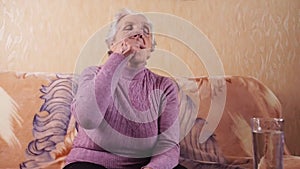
(128,27)
(146,30)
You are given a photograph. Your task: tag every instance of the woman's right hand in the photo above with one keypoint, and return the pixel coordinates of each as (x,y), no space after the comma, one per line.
(125,47)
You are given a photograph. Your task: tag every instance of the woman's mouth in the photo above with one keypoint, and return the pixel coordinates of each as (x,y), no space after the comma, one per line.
(142,46)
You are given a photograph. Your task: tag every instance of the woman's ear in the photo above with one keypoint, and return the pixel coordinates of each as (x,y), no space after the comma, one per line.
(109,52)
(153,44)
(110,46)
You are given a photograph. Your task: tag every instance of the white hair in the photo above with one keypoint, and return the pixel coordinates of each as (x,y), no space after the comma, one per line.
(114,26)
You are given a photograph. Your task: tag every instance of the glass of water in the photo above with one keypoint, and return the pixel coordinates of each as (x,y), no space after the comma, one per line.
(268,142)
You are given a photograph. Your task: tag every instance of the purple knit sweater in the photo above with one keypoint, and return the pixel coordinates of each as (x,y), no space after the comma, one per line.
(127,117)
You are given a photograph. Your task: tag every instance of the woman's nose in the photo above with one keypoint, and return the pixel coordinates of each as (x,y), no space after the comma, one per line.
(138,36)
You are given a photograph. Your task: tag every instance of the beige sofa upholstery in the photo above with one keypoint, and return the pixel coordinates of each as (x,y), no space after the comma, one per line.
(37,129)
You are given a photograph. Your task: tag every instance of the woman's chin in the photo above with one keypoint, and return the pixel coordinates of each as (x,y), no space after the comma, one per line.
(137,63)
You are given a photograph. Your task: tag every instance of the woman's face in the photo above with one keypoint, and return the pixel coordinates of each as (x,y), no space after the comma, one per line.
(132,25)
(136,30)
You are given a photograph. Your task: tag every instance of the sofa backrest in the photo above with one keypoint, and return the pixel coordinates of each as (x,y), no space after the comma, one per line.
(42,128)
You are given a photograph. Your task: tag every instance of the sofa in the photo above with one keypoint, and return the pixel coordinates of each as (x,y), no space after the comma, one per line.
(37,128)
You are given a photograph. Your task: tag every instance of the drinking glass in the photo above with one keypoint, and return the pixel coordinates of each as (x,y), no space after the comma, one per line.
(268,141)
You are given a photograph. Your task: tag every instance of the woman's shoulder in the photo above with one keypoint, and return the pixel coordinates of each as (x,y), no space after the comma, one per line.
(90,70)
(88,73)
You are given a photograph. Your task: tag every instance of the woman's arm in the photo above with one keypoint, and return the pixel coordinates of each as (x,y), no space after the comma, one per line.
(94,92)
(96,86)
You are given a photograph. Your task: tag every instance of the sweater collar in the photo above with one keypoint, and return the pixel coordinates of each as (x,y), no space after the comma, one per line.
(130,73)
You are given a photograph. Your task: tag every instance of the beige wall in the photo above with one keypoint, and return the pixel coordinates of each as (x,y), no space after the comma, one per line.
(253,37)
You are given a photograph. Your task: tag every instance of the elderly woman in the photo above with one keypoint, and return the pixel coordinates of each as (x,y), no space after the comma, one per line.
(126,114)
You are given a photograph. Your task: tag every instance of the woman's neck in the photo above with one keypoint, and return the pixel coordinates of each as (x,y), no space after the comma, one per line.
(132,72)
(136,66)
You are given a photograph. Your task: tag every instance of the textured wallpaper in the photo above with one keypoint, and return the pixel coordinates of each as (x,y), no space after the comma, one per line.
(252,38)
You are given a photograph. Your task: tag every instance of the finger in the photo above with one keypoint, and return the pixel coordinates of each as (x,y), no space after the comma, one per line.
(129,50)
(118,47)
(125,48)
(117,44)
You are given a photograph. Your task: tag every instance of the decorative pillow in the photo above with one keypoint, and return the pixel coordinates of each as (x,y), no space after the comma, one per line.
(53,126)
(191,148)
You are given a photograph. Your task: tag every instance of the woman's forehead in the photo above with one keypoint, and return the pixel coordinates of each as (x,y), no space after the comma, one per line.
(134,18)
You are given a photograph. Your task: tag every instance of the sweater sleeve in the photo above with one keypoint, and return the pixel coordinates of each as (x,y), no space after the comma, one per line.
(166,153)
(94,92)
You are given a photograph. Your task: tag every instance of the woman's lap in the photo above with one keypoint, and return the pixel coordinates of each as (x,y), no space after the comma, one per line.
(87,165)
(83,165)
